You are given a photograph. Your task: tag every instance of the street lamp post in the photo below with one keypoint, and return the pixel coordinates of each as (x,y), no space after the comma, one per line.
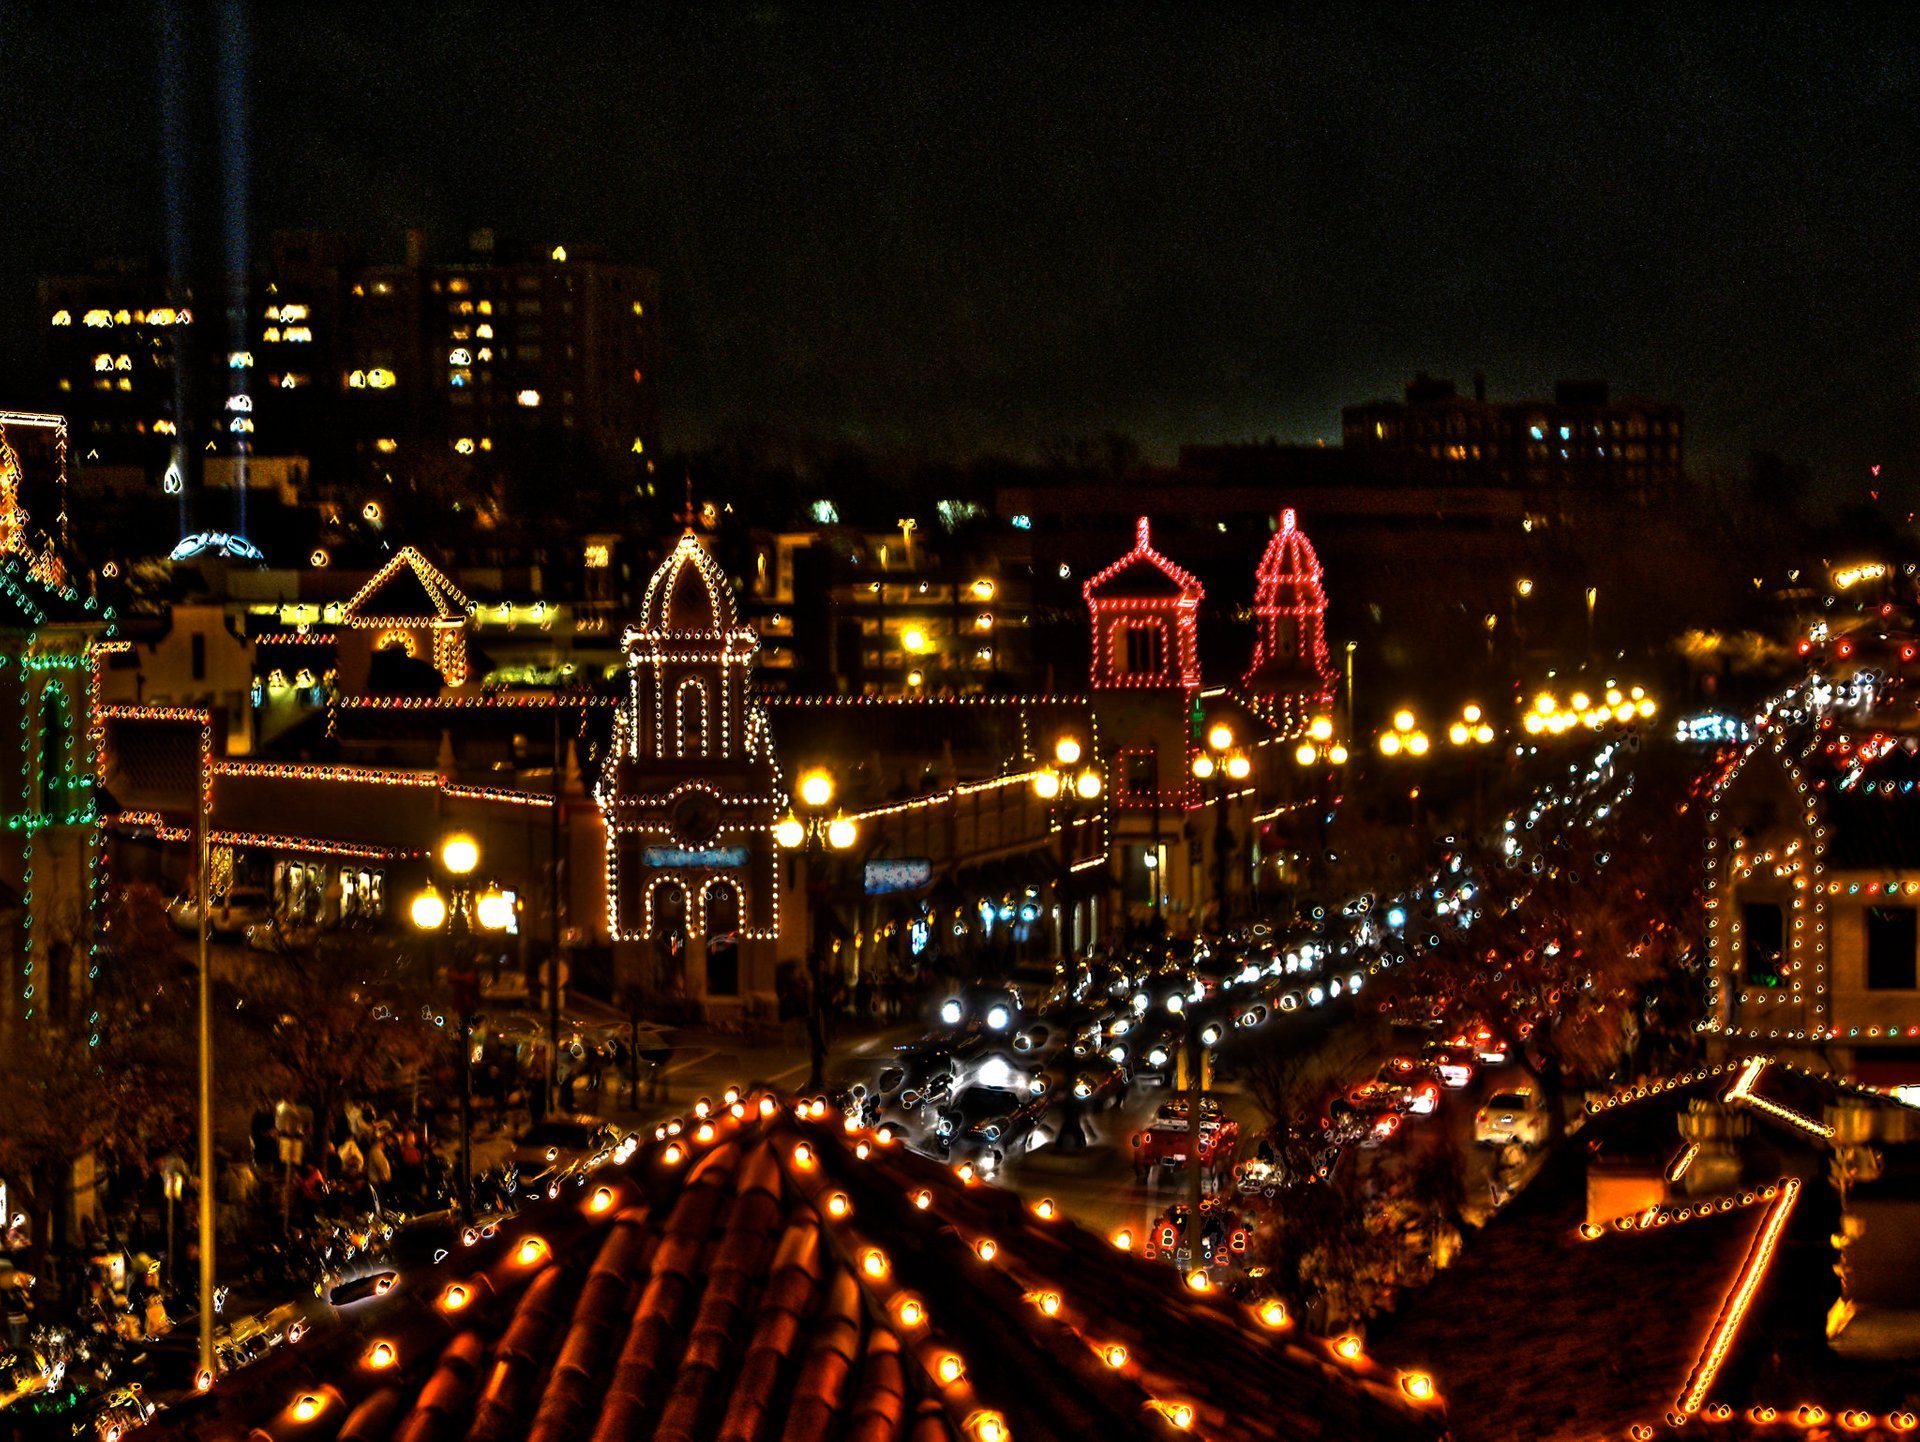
(1406,739)
(1067,791)
(807,831)
(1320,748)
(450,921)
(1472,731)
(1218,764)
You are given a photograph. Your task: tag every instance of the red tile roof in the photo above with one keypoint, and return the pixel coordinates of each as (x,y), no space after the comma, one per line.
(772,1283)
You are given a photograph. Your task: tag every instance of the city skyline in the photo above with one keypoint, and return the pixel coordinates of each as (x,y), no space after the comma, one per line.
(991,234)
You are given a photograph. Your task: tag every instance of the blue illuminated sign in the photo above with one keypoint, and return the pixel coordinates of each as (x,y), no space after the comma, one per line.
(889,874)
(718,857)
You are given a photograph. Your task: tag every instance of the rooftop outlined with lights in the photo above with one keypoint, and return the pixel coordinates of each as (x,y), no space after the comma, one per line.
(745,1271)
(1676,1256)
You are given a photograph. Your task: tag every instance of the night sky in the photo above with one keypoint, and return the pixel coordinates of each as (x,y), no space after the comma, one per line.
(953,233)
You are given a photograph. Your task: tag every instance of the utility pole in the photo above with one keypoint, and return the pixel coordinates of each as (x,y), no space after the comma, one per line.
(1195,1093)
(204,902)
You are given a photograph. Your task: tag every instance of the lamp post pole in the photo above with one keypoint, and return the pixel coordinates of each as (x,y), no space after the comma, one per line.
(449,922)
(1063,789)
(1219,763)
(807,833)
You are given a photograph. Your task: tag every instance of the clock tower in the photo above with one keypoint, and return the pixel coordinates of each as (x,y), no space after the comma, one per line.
(690,792)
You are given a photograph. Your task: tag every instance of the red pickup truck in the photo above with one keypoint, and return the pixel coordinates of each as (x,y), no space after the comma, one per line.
(1164,1143)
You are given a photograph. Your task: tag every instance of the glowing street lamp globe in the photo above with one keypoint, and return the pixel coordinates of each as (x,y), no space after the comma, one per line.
(1239,767)
(789,832)
(1088,784)
(1403,721)
(1320,729)
(494,909)
(1066,750)
(841,833)
(1220,736)
(1417,743)
(816,788)
(428,910)
(1390,744)
(459,854)
(1203,766)
(1337,754)
(1305,753)
(1046,784)
(1459,733)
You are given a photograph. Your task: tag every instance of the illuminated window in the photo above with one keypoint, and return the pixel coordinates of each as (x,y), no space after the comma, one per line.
(690,717)
(61,317)
(1763,931)
(464,445)
(296,334)
(239,360)
(639,309)
(459,357)
(528,398)
(271,334)
(483,331)
(1146,648)
(386,445)
(1890,948)
(293,312)
(380,379)
(103,363)
(597,557)
(97,318)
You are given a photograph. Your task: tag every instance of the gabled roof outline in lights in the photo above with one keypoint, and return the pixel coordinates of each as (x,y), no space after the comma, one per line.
(663,611)
(1183,582)
(447,601)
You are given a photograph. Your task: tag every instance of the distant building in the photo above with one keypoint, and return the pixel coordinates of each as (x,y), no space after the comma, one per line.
(1813,896)
(1583,440)
(384,365)
(889,613)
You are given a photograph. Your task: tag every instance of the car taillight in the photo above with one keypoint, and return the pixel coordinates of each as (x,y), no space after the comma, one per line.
(1168,1237)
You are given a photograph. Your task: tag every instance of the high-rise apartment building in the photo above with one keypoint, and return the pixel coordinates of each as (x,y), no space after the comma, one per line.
(481,359)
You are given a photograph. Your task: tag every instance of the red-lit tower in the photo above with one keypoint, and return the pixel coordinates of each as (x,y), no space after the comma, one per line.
(1290,681)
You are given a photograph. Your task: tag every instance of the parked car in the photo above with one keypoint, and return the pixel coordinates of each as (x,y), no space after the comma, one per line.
(1453,1065)
(1419,1089)
(1512,1114)
(1164,1143)
(280,940)
(1098,1082)
(230,914)
(987,1125)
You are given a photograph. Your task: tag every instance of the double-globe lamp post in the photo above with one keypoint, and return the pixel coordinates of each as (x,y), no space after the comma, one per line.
(1220,763)
(1065,791)
(450,920)
(807,830)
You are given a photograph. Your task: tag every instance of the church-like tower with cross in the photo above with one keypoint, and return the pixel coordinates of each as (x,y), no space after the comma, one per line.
(689,793)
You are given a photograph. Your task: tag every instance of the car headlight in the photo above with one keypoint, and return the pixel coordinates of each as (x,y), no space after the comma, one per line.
(950,1012)
(998,1017)
(1117,1055)
(991,1132)
(1158,1056)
